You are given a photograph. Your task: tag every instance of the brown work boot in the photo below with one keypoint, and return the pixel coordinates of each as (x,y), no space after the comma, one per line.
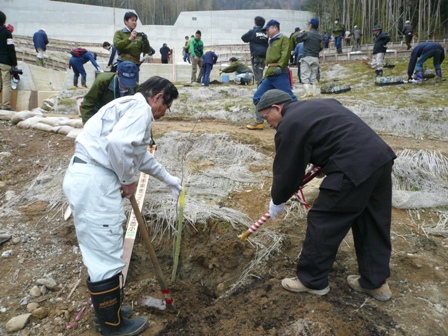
(256,126)
(382,294)
(294,285)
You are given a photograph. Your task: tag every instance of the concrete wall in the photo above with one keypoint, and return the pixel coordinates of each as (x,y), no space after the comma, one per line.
(86,23)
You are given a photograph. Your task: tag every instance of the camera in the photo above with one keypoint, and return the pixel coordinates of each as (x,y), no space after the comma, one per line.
(141,34)
(15,71)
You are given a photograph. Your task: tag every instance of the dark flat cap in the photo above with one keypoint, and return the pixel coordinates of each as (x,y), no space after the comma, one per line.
(272,97)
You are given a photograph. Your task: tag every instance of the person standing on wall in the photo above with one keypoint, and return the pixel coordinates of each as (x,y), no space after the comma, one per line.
(40,40)
(8,60)
(356,32)
(408,33)
(258,44)
(196,52)
(186,52)
(130,43)
(338,33)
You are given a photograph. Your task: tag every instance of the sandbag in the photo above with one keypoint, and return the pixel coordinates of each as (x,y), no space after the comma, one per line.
(65,130)
(334,87)
(30,122)
(20,116)
(392,80)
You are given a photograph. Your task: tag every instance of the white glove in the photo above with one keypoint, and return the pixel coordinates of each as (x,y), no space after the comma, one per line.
(173,183)
(274,210)
(100,70)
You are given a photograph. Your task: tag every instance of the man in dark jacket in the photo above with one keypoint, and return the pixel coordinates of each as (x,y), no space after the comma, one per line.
(379,49)
(258,44)
(420,55)
(113,56)
(309,65)
(338,33)
(40,41)
(8,59)
(408,33)
(109,86)
(355,194)
(208,60)
(165,51)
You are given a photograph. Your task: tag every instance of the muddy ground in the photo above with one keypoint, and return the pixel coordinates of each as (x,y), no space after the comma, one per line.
(212,257)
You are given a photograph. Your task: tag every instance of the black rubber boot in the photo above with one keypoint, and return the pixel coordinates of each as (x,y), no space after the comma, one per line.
(379,73)
(126,312)
(106,299)
(339,50)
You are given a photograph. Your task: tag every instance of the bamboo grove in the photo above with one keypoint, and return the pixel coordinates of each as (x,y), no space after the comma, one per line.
(429,18)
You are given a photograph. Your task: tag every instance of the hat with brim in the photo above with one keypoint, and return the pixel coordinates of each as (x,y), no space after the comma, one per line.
(270,24)
(128,72)
(272,97)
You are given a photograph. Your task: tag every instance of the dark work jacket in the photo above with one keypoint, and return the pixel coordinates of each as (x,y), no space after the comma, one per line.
(380,43)
(40,40)
(326,134)
(312,42)
(209,58)
(421,49)
(407,29)
(258,41)
(7,50)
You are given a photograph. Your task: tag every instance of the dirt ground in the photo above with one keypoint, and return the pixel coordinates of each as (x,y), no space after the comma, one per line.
(44,244)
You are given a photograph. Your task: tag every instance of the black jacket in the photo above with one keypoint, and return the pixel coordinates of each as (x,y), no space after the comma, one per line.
(380,43)
(258,41)
(7,50)
(421,49)
(326,134)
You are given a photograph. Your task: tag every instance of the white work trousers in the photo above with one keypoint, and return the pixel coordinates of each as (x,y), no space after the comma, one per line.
(94,196)
(309,67)
(378,61)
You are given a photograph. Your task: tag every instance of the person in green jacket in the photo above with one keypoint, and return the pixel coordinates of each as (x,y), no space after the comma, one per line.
(129,43)
(277,73)
(109,86)
(243,74)
(196,52)
(338,32)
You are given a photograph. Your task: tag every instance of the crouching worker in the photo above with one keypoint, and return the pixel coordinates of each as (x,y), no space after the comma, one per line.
(355,194)
(420,55)
(108,153)
(109,86)
(243,74)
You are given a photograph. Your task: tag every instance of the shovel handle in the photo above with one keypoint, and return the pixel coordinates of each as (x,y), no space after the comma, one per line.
(152,253)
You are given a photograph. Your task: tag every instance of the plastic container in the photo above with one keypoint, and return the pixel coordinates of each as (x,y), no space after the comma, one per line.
(225,78)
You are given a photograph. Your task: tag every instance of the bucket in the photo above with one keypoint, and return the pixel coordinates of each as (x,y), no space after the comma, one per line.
(225,78)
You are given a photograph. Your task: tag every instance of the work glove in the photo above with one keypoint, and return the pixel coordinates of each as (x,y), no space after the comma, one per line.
(174,183)
(277,71)
(275,210)
(100,70)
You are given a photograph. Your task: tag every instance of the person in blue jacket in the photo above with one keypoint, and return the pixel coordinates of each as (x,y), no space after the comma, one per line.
(326,40)
(77,64)
(208,60)
(420,55)
(40,40)
(298,52)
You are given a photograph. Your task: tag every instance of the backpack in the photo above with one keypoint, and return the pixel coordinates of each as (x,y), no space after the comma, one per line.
(78,52)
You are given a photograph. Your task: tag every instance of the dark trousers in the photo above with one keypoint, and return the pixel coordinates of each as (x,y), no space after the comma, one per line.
(366,209)
(206,76)
(408,39)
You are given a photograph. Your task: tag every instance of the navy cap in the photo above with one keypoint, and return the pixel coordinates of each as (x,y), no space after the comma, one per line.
(314,22)
(270,24)
(128,71)
(297,29)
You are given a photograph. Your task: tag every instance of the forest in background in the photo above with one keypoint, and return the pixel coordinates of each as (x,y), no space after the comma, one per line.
(429,18)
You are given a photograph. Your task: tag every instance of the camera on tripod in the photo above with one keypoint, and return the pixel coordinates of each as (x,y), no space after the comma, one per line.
(15,71)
